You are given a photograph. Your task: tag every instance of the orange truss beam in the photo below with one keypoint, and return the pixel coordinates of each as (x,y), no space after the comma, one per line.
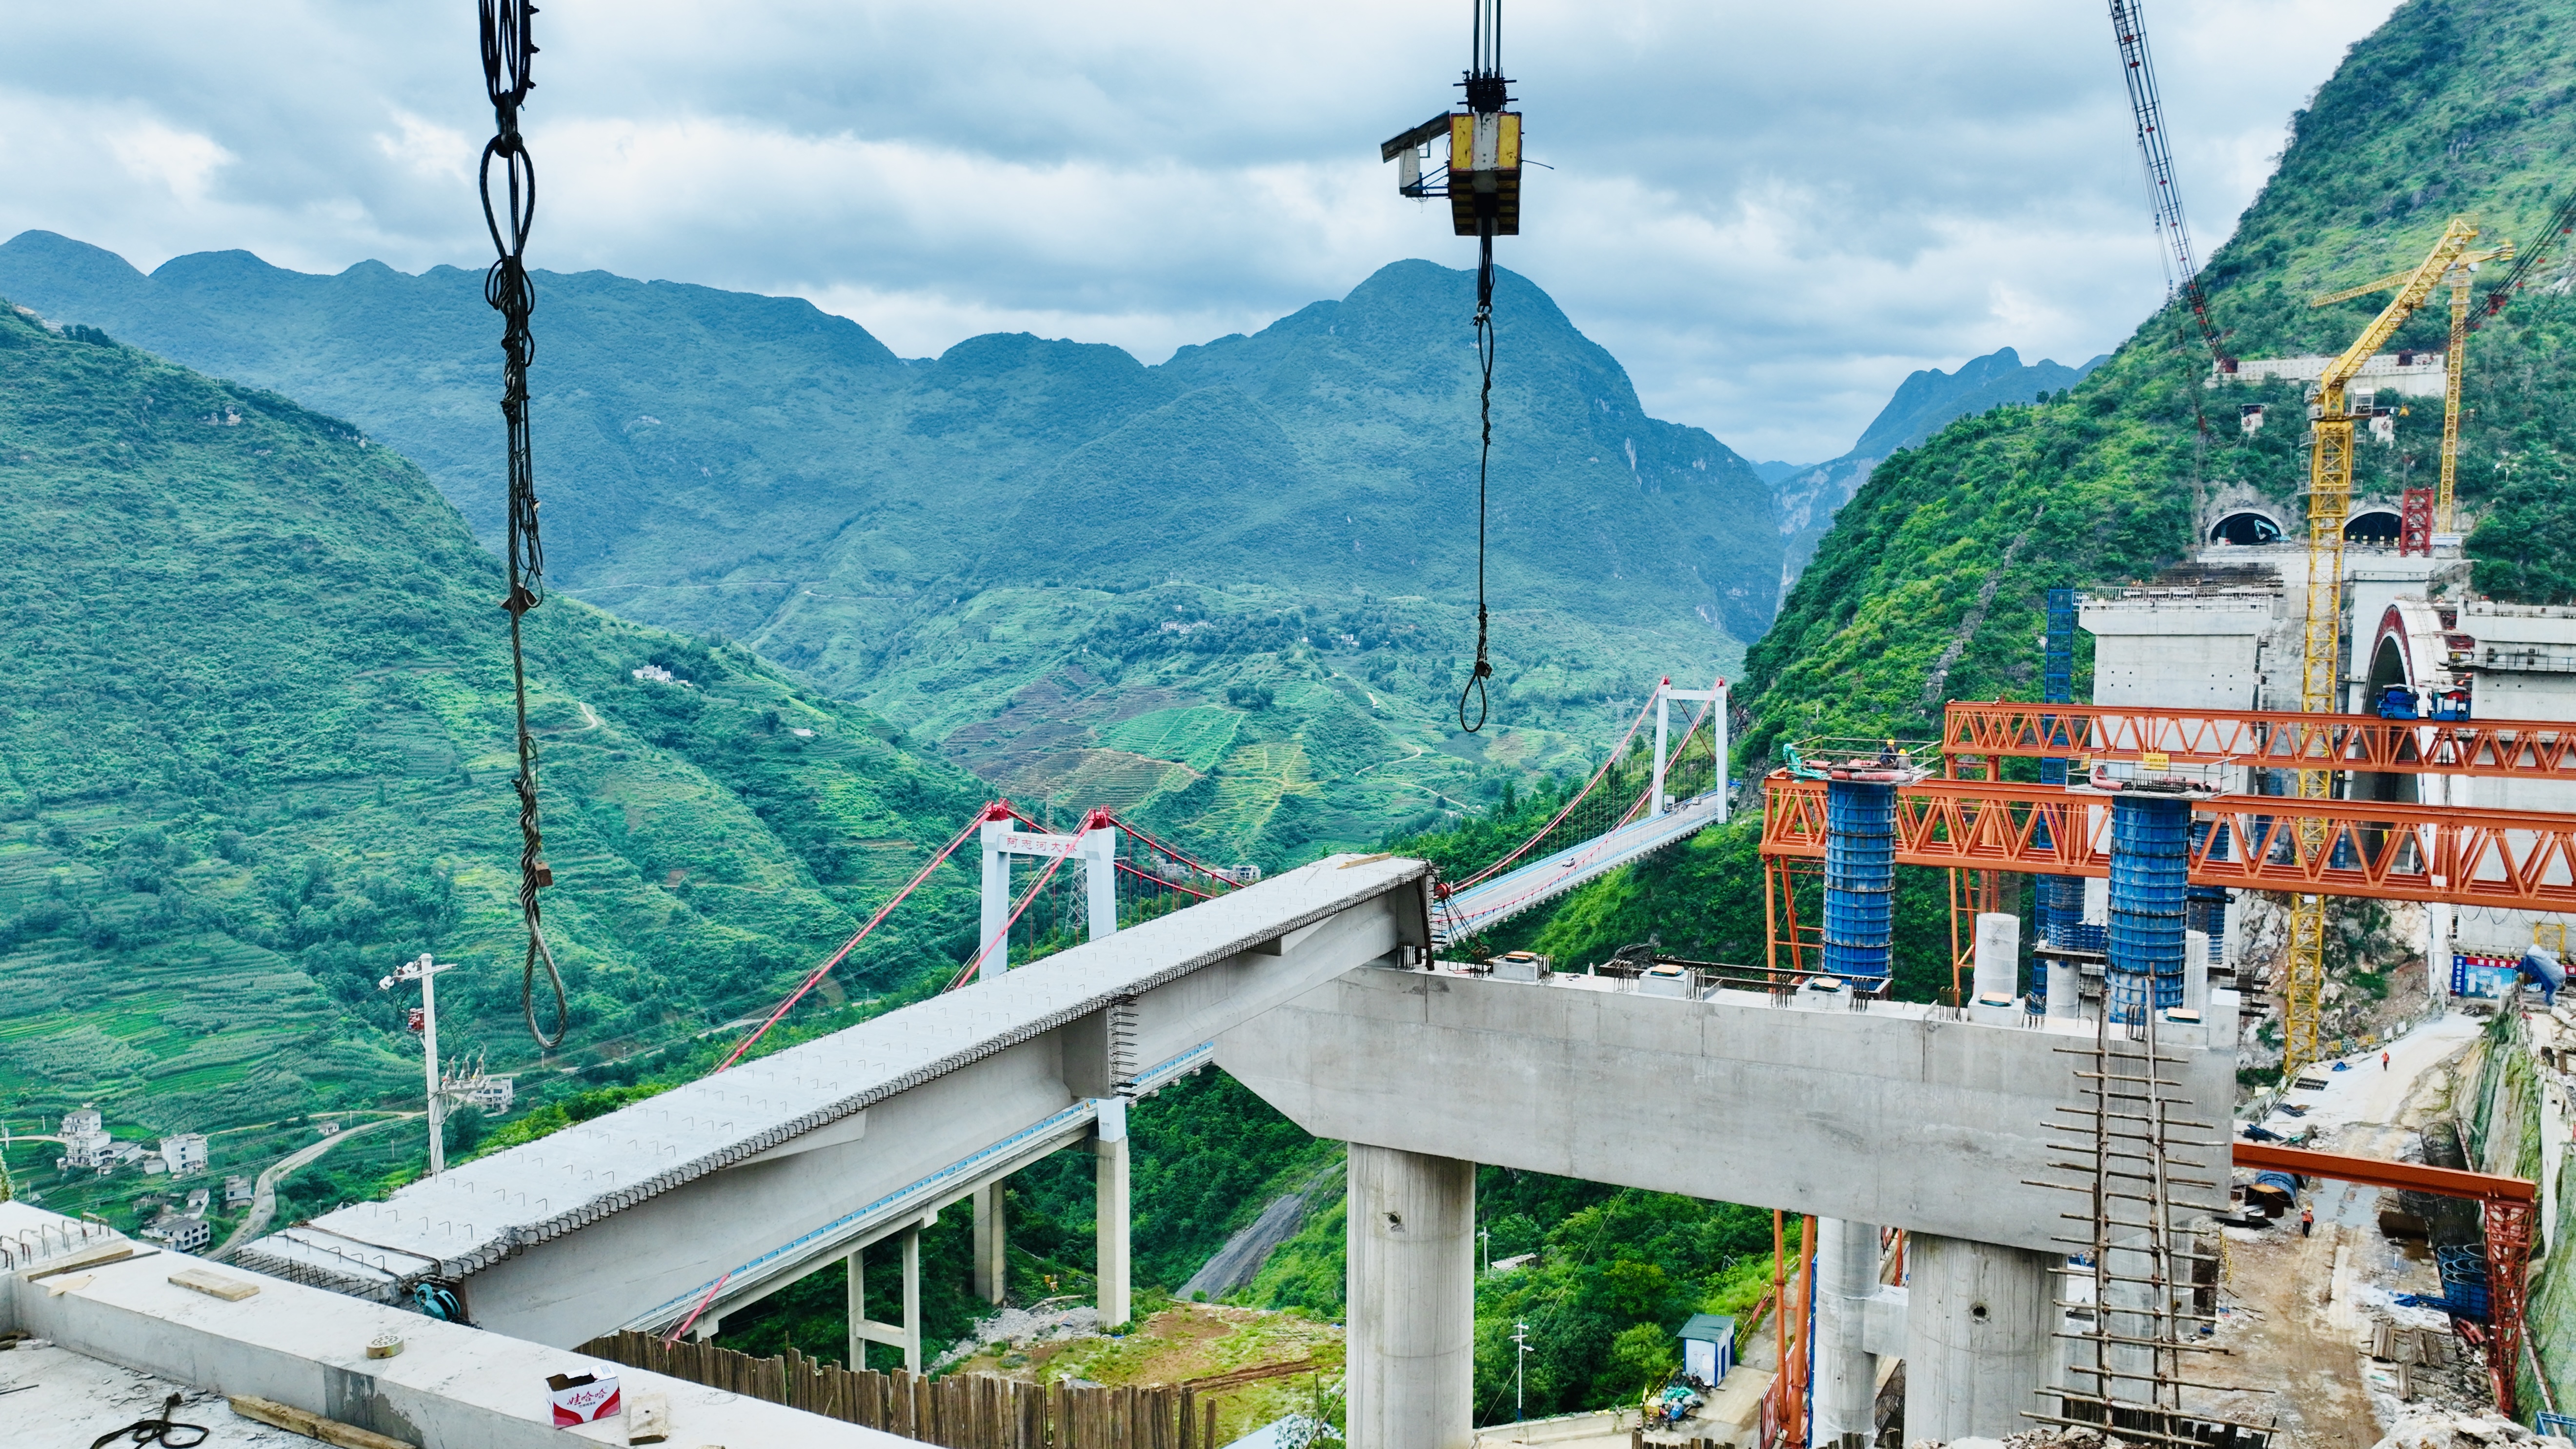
(2516,859)
(2512,749)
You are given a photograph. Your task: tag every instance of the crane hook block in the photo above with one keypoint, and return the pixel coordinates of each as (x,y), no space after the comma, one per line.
(1485,172)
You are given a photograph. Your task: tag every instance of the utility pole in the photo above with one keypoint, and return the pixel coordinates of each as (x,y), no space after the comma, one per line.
(1485,1239)
(1520,1345)
(426,972)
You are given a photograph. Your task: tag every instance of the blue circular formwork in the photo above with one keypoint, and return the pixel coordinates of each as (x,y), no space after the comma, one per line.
(1860,878)
(2150,867)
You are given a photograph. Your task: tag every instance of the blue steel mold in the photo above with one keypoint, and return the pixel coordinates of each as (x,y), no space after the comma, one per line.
(1860,877)
(2150,856)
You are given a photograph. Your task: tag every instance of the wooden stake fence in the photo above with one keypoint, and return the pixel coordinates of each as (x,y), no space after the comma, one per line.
(962,1411)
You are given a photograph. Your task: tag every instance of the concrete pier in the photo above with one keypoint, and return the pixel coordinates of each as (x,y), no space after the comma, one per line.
(1412,1248)
(992,1261)
(1846,1374)
(1109,1215)
(1977,1337)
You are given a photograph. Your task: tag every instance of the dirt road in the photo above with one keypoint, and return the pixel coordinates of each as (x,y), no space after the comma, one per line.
(263,1202)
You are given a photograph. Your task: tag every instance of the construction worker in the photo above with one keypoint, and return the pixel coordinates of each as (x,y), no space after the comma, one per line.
(2383,1061)
(2307,1221)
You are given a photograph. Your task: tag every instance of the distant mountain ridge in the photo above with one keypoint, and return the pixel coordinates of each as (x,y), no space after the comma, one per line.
(1018,545)
(1923,404)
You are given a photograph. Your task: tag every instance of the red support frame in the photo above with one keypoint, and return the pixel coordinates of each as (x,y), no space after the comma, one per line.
(2501,748)
(2415,523)
(2507,1204)
(2514,859)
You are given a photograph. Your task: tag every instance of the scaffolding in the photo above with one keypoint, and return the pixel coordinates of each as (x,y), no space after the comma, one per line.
(2142,1165)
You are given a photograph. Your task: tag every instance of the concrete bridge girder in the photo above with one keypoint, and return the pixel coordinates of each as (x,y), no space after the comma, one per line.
(908,1112)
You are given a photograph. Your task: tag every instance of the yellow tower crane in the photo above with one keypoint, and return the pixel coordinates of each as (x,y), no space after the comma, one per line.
(2329,502)
(2453,360)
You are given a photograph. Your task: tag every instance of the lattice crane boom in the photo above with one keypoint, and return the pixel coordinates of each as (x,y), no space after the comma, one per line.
(2146,106)
(2453,361)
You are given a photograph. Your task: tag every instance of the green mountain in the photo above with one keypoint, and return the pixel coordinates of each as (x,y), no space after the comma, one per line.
(1038,552)
(1922,405)
(1931,583)
(255,748)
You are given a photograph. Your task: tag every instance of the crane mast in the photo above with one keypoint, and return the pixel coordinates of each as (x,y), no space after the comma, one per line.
(2329,503)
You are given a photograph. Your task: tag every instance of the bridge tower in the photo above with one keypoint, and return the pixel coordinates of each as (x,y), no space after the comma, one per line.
(1095,845)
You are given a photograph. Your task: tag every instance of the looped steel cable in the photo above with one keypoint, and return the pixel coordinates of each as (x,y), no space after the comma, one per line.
(1484,670)
(155,1430)
(507,52)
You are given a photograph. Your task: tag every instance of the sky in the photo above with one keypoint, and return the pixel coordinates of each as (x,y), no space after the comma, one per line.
(1770,214)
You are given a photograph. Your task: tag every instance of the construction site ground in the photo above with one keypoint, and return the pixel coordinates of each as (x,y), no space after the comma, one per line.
(1188,1343)
(2297,1313)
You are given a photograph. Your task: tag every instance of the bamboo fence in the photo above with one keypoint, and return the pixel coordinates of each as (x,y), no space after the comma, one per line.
(961,1411)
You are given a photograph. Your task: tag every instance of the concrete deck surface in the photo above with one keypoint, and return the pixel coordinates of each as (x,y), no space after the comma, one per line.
(72,1399)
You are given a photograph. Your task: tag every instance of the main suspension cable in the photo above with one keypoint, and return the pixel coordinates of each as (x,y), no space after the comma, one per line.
(507,51)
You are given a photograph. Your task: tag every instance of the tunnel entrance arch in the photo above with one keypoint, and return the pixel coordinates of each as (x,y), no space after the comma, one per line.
(2374,527)
(2246,528)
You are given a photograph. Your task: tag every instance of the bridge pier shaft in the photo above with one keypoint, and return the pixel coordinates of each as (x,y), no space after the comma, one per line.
(1978,1346)
(1412,1291)
(905,1335)
(1846,1372)
(1109,1213)
(992,1263)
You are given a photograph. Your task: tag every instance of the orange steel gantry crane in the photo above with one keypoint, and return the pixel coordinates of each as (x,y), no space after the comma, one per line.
(2329,502)
(1975,733)
(1972,821)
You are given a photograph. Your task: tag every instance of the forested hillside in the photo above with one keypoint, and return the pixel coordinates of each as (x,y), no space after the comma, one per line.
(1265,546)
(255,748)
(1930,585)
(1808,498)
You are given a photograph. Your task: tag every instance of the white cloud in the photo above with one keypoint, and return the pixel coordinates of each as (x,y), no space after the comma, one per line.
(183,162)
(1770,214)
(425,148)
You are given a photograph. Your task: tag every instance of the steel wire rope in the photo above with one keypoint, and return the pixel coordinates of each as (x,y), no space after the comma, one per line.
(815,977)
(1484,669)
(507,52)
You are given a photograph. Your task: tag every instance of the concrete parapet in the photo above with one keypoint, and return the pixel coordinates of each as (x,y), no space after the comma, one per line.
(307,1348)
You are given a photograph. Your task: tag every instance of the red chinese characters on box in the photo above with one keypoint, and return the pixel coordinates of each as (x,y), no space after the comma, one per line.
(582,1398)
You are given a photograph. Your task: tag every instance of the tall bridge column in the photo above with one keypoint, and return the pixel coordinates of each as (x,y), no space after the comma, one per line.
(992,1261)
(1412,1256)
(1846,1374)
(1978,1347)
(1109,1213)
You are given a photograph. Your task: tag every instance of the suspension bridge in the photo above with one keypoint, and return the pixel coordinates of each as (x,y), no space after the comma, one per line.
(1663,782)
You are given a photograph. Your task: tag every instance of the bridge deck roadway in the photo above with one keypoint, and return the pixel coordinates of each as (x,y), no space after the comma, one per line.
(1899,1115)
(607,1221)
(1543,880)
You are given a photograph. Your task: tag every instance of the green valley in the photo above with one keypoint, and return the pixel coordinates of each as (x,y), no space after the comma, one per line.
(1011,548)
